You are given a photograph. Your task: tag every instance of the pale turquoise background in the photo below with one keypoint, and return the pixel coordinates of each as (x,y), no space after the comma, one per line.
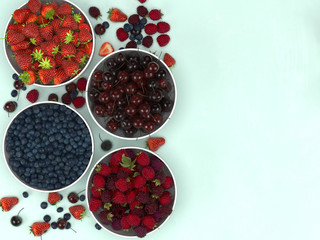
(244,140)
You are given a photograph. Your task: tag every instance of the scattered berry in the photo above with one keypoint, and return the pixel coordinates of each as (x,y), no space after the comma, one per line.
(59,209)
(16,220)
(62,223)
(15,76)
(163,27)
(33,95)
(14,93)
(142,11)
(78,102)
(147,41)
(97,226)
(53,97)
(39,228)
(142,1)
(82,198)
(53,198)
(155,143)
(155,14)
(116,15)
(82,84)
(105,49)
(73,197)
(94,12)
(122,35)
(44,205)
(47,218)
(54,225)
(163,40)
(150,28)
(7,203)
(10,106)
(66,99)
(99,29)
(106,145)
(134,19)
(25,194)
(106,24)
(77,211)
(131,44)
(74,94)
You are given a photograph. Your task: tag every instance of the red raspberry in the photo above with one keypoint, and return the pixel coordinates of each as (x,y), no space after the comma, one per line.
(131,196)
(148,172)
(106,196)
(165,199)
(163,27)
(134,19)
(135,204)
(155,14)
(168,182)
(122,35)
(139,181)
(33,95)
(142,11)
(103,169)
(163,40)
(148,222)
(94,204)
(78,102)
(147,41)
(121,184)
(116,157)
(124,223)
(98,181)
(133,220)
(131,44)
(143,159)
(96,192)
(150,28)
(142,1)
(81,84)
(119,197)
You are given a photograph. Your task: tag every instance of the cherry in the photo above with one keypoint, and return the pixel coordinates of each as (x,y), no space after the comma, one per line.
(136,99)
(97,75)
(96,84)
(126,123)
(132,66)
(121,103)
(62,223)
(115,94)
(123,76)
(16,220)
(164,84)
(99,29)
(129,132)
(112,125)
(155,96)
(104,97)
(137,122)
(73,197)
(120,58)
(111,106)
(155,108)
(157,118)
(148,127)
(18,84)
(131,88)
(161,74)
(111,63)
(130,110)
(93,94)
(152,85)
(145,61)
(146,116)
(121,88)
(119,115)
(137,76)
(133,59)
(144,108)
(99,110)
(10,106)
(152,67)
(147,74)
(106,86)
(108,77)
(71,87)
(166,104)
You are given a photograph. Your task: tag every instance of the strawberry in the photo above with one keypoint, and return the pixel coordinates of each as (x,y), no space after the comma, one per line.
(60,76)
(69,22)
(64,9)
(78,102)
(88,48)
(105,49)
(149,222)
(116,15)
(70,68)
(168,182)
(37,53)
(165,199)
(32,18)
(77,211)
(35,67)
(42,20)
(122,35)
(98,181)
(33,95)
(58,58)
(103,169)
(17,27)
(56,39)
(46,75)
(21,15)
(150,28)
(81,85)
(139,181)
(65,35)
(163,40)
(78,18)
(133,220)
(53,198)
(14,37)
(121,184)
(148,172)
(47,63)
(46,32)
(55,23)
(68,50)
(34,5)
(94,204)
(37,40)
(163,27)
(21,46)
(55,6)
(84,36)
(39,228)
(50,48)
(24,61)
(81,58)
(143,159)
(47,12)
(8,202)
(28,77)
(75,39)
(155,14)
(85,26)
(169,60)
(155,143)
(119,197)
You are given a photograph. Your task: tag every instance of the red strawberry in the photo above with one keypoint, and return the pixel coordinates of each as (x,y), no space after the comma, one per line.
(8,202)
(143,159)
(165,199)
(47,12)
(56,39)
(155,14)
(60,76)
(168,183)
(87,48)
(21,46)
(80,57)
(78,18)
(34,5)
(39,228)
(37,40)
(16,27)
(121,184)
(163,40)
(133,220)
(28,77)
(42,20)
(46,32)
(50,48)
(119,197)
(47,63)
(14,37)
(103,170)
(75,39)
(169,60)
(77,211)
(155,143)
(105,49)
(68,50)
(70,68)
(32,18)
(122,35)
(78,102)
(150,28)
(116,15)
(94,204)
(148,172)
(85,26)
(56,23)
(24,61)
(65,35)
(131,44)
(35,66)
(64,9)
(46,75)
(37,53)
(53,197)
(148,221)
(33,95)
(55,6)
(70,22)
(139,181)
(84,36)
(163,27)
(98,181)
(21,15)
(58,58)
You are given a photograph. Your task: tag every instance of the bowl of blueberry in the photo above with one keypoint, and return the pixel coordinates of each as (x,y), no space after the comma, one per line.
(131,94)
(131,192)
(48,146)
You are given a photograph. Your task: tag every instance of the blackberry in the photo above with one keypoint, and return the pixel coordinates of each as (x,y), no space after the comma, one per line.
(140,231)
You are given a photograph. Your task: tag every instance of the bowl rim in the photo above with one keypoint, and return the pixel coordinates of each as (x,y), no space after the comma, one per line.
(132,50)
(70,80)
(141,149)
(4,151)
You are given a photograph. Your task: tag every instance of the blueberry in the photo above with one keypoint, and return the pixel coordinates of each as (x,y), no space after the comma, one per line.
(24,88)
(127,27)
(67,216)
(82,198)
(137,27)
(68,225)
(61,197)
(106,24)
(97,226)
(139,37)
(74,94)
(14,93)
(54,225)
(143,21)
(47,218)
(59,209)
(15,76)
(132,37)
(25,194)
(44,205)
(139,42)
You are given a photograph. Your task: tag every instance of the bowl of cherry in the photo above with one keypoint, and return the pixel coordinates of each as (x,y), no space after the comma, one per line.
(131,94)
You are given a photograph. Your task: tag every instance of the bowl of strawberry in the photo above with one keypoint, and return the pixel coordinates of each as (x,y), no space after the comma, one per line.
(131,192)
(131,94)
(49,43)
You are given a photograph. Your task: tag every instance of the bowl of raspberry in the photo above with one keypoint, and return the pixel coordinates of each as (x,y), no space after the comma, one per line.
(131,192)
(49,44)
(48,146)
(131,94)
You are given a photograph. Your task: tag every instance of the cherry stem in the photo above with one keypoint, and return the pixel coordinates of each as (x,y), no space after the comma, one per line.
(20,211)
(73,230)
(100,137)
(85,189)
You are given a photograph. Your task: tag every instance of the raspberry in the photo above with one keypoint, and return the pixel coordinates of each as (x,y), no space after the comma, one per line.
(105,217)
(163,27)
(106,196)
(160,178)
(143,159)
(124,223)
(134,19)
(156,190)
(116,224)
(122,35)
(142,11)
(168,182)
(118,210)
(150,28)
(140,230)
(163,40)
(131,44)
(147,41)
(157,216)
(165,211)
(133,220)
(131,196)
(155,14)
(143,197)
(148,221)
(151,208)
(81,84)
(96,192)
(116,157)
(139,181)
(156,163)
(94,204)
(165,199)
(148,172)
(134,204)
(122,174)
(98,181)
(142,1)
(78,102)
(110,183)
(138,211)
(121,184)
(33,95)
(119,197)
(103,169)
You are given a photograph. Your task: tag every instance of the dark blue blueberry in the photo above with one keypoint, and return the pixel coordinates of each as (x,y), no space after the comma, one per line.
(132,37)
(14,93)
(67,216)
(59,209)
(82,198)
(137,27)
(127,27)
(47,218)
(54,225)
(24,88)
(97,226)
(139,37)
(15,76)
(143,21)
(106,24)
(68,225)
(25,194)
(74,94)
(44,205)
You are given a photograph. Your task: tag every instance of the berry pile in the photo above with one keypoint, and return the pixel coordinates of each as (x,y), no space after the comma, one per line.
(133,95)
(71,96)
(49,146)
(133,192)
(51,44)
